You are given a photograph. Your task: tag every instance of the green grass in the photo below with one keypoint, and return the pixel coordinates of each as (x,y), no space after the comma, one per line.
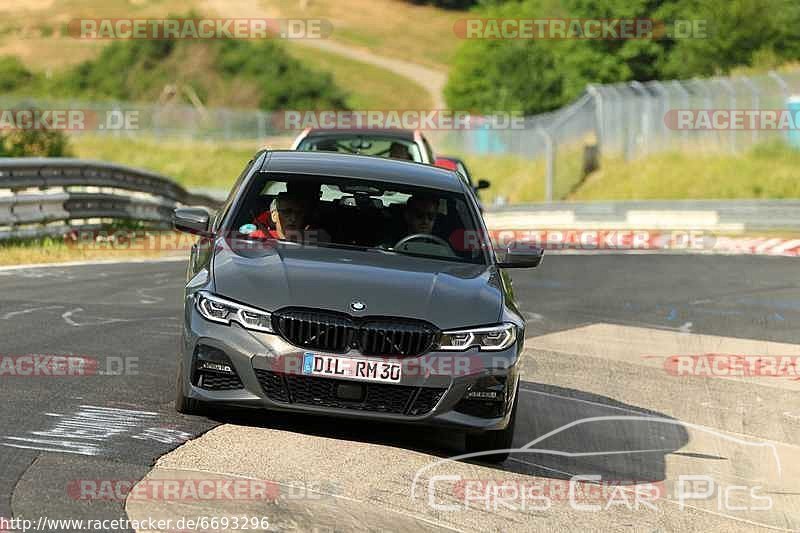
(519,180)
(368,86)
(217,164)
(766,171)
(55,250)
(514,179)
(192,164)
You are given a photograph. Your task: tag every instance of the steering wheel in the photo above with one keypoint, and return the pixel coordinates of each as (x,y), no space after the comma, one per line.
(346,148)
(423,237)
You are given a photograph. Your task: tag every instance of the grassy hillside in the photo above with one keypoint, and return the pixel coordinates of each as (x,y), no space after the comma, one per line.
(231,73)
(35,31)
(766,171)
(367,86)
(381,25)
(393,28)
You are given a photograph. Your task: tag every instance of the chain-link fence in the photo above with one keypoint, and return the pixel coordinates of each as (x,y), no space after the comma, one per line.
(167,121)
(634,119)
(626,120)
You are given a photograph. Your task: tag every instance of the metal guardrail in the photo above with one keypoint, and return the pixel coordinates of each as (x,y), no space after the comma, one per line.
(52,196)
(710,215)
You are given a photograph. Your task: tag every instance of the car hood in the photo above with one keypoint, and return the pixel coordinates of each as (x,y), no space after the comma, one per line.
(447,294)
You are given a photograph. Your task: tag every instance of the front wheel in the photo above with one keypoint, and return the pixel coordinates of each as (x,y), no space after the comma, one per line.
(184,404)
(494,440)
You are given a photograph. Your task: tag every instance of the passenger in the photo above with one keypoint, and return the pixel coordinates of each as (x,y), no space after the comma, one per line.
(309,192)
(399,151)
(288,213)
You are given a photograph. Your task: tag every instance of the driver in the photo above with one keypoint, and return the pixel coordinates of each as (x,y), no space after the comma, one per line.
(420,214)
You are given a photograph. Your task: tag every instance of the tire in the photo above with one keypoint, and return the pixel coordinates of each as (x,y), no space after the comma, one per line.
(183,404)
(494,440)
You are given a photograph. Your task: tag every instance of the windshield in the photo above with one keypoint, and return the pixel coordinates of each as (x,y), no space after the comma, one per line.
(376,216)
(374,145)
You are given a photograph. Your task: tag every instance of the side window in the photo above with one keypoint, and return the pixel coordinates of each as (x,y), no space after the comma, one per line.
(223,211)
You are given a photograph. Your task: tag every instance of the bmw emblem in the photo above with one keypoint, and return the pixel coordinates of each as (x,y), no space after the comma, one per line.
(357,305)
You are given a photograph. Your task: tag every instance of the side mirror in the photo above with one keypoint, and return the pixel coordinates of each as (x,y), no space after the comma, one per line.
(192,220)
(520,256)
(482,184)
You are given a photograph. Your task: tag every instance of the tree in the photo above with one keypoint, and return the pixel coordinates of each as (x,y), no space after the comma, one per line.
(533,76)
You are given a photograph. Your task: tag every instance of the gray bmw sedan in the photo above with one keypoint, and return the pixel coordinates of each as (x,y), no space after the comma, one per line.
(353,286)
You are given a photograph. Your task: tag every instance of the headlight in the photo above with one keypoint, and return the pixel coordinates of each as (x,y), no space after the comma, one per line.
(492,338)
(224,311)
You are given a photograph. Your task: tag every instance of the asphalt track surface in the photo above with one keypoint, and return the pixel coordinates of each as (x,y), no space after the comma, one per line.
(599,330)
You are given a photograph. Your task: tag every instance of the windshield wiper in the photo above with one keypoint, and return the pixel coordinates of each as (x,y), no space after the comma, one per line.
(358,247)
(431,256)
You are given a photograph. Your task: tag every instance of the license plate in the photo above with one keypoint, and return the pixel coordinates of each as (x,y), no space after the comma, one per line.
(351,368)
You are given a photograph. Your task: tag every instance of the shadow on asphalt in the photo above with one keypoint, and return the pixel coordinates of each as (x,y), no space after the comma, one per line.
(623,445)
(589,434)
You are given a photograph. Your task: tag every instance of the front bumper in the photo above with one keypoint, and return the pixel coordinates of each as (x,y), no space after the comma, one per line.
(269,376)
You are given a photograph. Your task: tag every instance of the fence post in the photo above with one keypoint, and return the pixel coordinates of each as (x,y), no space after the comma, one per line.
(550,164)
(631,122)
(619,126)
(595,93)
(645,117)
(262,127)
(784,86)
(756,104)
(227,118)
(696,82)
(665,100)
(731,105)
(678,85)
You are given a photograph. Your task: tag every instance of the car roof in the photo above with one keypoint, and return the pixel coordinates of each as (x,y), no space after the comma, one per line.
(395,133)
(361,167)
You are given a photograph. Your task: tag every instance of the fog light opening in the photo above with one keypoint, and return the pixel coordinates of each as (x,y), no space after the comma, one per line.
(486,398)
(213,370)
